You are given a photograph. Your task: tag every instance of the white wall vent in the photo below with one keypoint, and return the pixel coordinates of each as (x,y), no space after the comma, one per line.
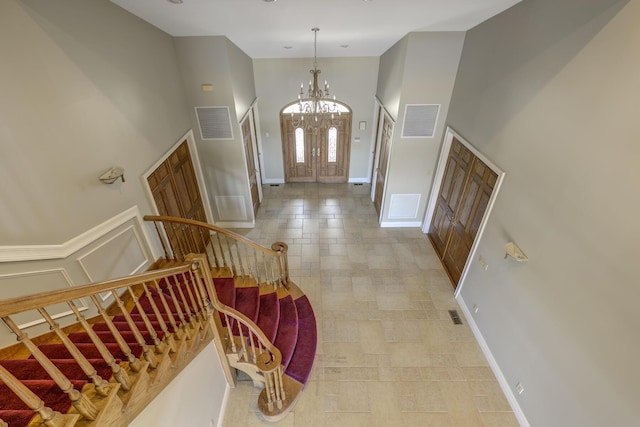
(420,120)
(214,122)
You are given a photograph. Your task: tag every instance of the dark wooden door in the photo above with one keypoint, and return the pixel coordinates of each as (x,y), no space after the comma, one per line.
(249,144)
(175,190)
(383,161)
(462,201)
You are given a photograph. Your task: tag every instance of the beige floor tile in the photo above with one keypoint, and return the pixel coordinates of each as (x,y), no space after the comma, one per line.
(388,354)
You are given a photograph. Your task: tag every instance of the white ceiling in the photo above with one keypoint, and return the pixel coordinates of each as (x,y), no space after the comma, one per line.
(263,29)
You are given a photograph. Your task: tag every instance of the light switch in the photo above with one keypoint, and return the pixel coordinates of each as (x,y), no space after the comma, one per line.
(483,263)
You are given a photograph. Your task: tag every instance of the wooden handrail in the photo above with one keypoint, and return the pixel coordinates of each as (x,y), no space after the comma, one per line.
(42,299)
(224,249)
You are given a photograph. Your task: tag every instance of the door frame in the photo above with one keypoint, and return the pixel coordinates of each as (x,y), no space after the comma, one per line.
(193,151)
(450,134)
(249,115)
(382,114)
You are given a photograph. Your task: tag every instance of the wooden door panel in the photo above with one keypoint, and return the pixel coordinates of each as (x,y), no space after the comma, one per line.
(297,170)
(383,160)
(247,138)
(338,170)
(461,204)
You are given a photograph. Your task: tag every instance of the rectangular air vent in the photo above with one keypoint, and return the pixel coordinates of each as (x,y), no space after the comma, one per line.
(455,317)
(420,120)
(214,122)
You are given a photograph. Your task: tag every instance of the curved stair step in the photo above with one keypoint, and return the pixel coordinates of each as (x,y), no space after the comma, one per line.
(107,336)
(269,315)
(247,303)
(287,334)
(304,354)
(226,290)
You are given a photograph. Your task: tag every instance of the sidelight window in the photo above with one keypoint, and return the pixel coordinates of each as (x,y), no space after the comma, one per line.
(332,145)
(299,145)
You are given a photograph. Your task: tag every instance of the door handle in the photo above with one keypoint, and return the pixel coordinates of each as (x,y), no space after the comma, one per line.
(452,219)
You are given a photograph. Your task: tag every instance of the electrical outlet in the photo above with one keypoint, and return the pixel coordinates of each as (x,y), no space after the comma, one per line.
(519,388)
(212,424)
(483,263)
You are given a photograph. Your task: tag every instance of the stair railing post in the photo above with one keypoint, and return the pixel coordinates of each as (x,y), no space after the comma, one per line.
(203,279)
(79,401)
(102,387)
(119,374)
(50,417)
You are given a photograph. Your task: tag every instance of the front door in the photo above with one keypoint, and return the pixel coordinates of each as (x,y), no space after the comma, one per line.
(467,186)
(322,156)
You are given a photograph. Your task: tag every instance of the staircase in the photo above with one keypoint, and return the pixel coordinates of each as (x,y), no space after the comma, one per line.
(103,370)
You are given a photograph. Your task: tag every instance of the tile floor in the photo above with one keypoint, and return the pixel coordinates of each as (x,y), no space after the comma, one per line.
(388,353)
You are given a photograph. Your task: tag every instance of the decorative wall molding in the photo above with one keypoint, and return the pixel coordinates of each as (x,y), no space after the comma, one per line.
(66,249)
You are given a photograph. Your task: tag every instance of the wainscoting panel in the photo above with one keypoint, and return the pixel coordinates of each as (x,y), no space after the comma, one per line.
(31,282)
(231,208)
(404,206)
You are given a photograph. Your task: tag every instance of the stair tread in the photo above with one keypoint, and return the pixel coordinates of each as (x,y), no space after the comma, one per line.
(287,334)
(90,351)
(269,315)
(225,289)
(30,369)
(47,390)
(304,354)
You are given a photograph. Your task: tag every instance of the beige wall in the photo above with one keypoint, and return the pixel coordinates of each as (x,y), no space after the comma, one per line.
(215,60)
(84,86)
(420,69)
(549,90)
(352,80)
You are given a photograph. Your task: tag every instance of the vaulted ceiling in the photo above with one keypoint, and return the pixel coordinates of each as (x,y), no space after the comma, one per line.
(282,28)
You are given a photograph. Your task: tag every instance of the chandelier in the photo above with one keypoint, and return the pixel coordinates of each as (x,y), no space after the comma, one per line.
(316,110)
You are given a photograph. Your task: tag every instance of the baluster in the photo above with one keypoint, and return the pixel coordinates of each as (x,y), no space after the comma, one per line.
(281,249)
(253,347)
(182,325)
(134,362)
(241,328)
(160,319)
(282,392)
(49,417)
(185,303)
(118,373)
(102,386)
(197,309)
(238,246)
(264,365)
(224,259)
(203,232)
(231,257)
(274,277)
(165,305)
(78,400)
(230,333)
(157,342)
(258,275)
(266,271)
(148,355)
(162,242)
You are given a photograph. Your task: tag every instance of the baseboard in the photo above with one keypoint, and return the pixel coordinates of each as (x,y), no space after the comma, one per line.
(358,180)
(504,384)
(273,181)
(400,224)
(223,406)
(63,250)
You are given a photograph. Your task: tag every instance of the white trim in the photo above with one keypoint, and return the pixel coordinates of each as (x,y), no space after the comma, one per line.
(502,380)
(435,190)
(223,405)
(195,160)
(64,250)
(358,180)
(102,244)
(399,224)
(236,224)
(273,181)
